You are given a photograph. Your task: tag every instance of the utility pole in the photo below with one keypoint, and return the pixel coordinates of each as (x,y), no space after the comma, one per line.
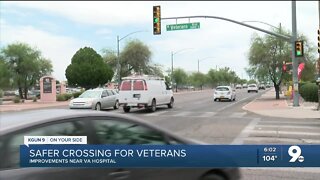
(198,65)
(318,78)
(294,59)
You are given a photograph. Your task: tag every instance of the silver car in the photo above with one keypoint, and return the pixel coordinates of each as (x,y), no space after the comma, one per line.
(100,128)
(96,99)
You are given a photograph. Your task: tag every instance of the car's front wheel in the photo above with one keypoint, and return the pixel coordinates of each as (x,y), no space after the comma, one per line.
(98,107)
(170,105)
(116,105)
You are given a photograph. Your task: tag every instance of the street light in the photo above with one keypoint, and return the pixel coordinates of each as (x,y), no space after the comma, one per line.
(202,60)
(118,76)
(172,54)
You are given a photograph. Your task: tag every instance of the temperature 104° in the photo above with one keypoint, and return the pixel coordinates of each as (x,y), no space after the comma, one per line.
(269,158)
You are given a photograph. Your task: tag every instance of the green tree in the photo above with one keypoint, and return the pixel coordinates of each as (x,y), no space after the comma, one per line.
(198,79)
(134,58)
(26,64)
(179,77)
(87,69)
(5,74)
(267,54)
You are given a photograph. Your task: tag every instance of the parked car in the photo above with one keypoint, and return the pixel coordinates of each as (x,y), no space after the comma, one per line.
(245,86)
(96,99)
(100,128)
(224,93)
(238,86)
(262,86)
(144,92)
(253,87)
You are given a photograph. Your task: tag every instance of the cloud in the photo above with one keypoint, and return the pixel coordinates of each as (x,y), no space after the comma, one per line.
(226,41)
(59,49)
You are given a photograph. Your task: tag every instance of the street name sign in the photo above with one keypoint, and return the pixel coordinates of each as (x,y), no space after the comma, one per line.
(184,26)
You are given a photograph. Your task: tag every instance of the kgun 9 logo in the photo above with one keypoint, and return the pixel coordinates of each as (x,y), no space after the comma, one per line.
(295,153)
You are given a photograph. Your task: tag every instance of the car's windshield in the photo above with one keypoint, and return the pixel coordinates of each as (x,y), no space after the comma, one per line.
(90,94)
(222,89)
(252,85)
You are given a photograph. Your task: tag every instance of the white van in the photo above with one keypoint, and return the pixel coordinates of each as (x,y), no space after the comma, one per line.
(144,91)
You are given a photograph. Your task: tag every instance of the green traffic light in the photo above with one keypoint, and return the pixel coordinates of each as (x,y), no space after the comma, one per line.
(156,20)
(298,53)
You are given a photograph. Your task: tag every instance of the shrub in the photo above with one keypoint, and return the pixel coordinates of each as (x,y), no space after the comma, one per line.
(68,96)
(1,93)
(16,99)
(77,94)
(309,92)
(61,97)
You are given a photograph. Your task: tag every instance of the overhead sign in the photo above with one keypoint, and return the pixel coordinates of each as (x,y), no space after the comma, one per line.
(174,27)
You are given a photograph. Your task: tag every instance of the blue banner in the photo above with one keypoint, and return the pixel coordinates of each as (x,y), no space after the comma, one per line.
(174,156)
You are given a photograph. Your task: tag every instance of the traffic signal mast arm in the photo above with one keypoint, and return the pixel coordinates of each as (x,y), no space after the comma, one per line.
(287,38)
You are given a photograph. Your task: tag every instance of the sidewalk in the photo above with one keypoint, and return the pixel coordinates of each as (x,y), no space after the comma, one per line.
(27,105)
(267,105)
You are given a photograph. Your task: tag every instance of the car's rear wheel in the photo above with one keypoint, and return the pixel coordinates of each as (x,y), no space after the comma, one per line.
(98,107)
(214,177)
(153,107)
(170,105)
(116,105)
(126,109)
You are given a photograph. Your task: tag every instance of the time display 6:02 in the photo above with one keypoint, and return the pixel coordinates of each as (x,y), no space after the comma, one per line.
(270,149)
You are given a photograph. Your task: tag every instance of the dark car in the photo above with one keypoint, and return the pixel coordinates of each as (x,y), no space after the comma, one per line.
(94,125)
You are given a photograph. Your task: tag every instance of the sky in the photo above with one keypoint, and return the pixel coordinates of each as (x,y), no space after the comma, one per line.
(59,29)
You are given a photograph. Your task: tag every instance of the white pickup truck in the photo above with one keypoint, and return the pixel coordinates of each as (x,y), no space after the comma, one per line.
(144,92)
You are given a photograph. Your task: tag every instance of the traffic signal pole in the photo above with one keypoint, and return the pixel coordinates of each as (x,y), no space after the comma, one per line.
(318,78)
(294,59)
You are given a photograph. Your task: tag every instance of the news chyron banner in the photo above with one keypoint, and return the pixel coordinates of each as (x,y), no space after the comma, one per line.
(73,151)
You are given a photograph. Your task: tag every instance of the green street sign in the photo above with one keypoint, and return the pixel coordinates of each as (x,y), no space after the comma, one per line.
(174,27)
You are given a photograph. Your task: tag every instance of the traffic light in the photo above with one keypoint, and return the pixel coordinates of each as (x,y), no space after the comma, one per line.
(156,20)
(319,41)
(299,49)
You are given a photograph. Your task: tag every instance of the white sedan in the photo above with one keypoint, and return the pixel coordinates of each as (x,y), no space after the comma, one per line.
(96,99)
(224,93)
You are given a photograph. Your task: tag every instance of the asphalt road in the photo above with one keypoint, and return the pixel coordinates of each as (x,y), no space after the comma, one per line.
(195,115)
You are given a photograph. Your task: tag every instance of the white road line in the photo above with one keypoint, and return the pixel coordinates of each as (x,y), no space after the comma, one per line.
(283,140)
(246,131)
(208,114)
(184,113)
(291,122)
(287,126)
(283,132)
(238,114)
(156,113)
(234,103)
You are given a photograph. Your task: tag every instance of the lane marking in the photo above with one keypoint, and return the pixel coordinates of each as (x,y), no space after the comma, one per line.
(238,114)
(245,132)
(236,103)
(275,132)
(184,113)
(208,114)
(283,140)
(287,126)
(156,113)
(290,122)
